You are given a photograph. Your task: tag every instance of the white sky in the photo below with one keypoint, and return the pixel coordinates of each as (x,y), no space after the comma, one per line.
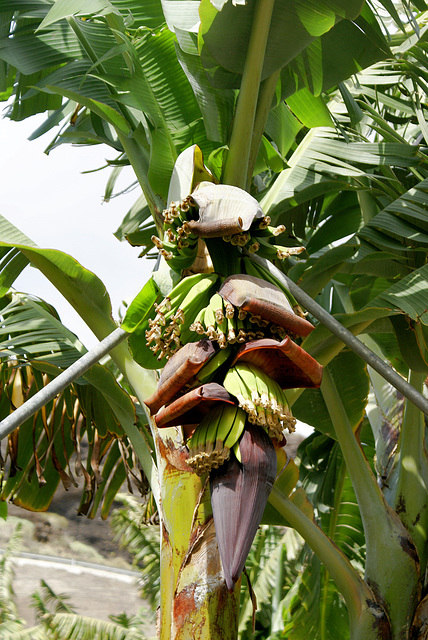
(49,199)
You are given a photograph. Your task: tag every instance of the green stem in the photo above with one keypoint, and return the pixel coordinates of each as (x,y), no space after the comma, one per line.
(365,617)
(394,583)
(237,162)
(267,92)
(411,502)
(366,489)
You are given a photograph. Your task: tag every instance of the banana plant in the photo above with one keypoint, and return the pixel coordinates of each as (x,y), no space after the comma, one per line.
(269,138)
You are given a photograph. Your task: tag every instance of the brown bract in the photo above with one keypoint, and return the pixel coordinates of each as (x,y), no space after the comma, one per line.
(179,370)
(193,406)
(263,299)
(285,362)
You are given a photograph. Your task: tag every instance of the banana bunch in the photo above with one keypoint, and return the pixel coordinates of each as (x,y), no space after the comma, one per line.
(169,329)
(179,245)
(218,433)
(261,397)
(221,322)
(257,240)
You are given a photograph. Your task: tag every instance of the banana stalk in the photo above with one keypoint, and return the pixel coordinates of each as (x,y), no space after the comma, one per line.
(195,602)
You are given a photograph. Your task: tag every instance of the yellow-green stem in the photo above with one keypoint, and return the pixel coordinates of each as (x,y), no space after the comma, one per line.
(267,92)
(237,162)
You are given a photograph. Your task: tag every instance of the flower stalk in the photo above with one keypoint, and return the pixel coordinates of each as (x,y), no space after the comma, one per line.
(238,158)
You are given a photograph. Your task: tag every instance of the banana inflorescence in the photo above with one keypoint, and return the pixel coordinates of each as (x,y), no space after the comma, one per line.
(218,211)
(261,398)
(238,352)
(230,349)
(179,245)
(211,442)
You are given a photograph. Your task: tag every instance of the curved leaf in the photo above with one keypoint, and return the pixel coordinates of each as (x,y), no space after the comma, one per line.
(225,33)
(350,376)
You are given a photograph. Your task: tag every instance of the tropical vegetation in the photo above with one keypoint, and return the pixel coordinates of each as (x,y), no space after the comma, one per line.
(280,148)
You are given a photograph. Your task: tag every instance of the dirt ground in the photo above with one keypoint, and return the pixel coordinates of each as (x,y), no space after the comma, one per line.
(61,533)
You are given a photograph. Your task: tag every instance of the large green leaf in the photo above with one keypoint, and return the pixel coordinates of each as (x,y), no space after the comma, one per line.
(31,53)
(350,376)
(324,162)
(410,295)
(225,34)
(403,224)
(351,45)
(303,612)
(67,8)
(81,287)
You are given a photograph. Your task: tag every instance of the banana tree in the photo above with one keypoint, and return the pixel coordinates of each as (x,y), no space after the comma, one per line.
(258,158)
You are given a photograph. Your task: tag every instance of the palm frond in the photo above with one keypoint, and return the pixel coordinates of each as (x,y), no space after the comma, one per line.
(31,330)
(34,347)
(8,609)
(69,626)
(142,542)
(15,631)
(273,566)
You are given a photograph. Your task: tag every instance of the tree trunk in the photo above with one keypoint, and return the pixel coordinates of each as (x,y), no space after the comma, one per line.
(195,603)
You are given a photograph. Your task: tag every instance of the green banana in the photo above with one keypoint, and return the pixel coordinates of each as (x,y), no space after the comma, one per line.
(210,436)
(198,324)
(210,323)
(182,288)
(216,304)
(193,442)
(182,259)
(269,232)
(208,371)
(237,451)
(231,330)
(206,448)
(196,443)
(196,300)
(235,385)
(174,314)
(236,429)
(249,381)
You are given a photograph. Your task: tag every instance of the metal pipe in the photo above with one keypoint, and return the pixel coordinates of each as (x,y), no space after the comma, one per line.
(346,336)
(59,383)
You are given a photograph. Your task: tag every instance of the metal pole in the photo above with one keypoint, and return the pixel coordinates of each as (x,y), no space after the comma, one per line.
(346,336)
(62,381)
